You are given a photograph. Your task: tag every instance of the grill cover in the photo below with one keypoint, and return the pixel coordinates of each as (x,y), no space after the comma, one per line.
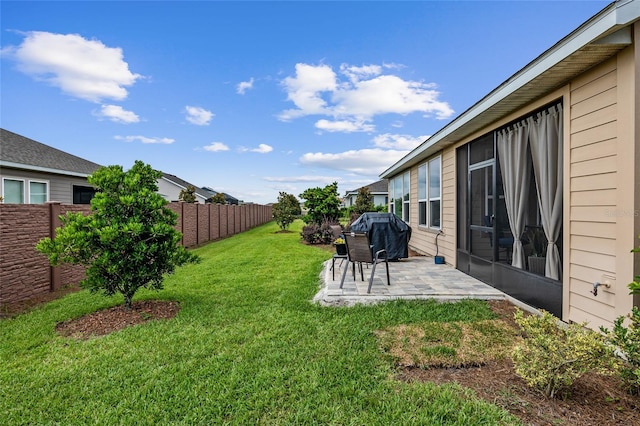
(386,231)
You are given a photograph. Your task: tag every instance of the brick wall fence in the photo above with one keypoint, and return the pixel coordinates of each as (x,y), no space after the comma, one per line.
(26,274)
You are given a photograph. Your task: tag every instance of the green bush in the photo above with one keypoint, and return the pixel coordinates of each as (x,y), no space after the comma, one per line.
(323,204)
(318,234)
(550,357)
(626,341)
(286,210)
(128,242)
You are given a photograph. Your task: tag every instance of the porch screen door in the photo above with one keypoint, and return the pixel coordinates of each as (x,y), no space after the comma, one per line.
(481,210)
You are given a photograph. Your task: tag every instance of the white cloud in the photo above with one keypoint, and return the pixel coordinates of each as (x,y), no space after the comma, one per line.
(244,86)
(357,73)
(198,116)
(300,178)
(405,142)
(363,93)
(305,90)
(367,162)
(216,147)
(82,68)
(145,139)
(118,114)
(345,126)
(261,149)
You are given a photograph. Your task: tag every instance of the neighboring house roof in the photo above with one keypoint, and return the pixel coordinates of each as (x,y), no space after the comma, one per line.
(19,152)
(227,197)
(598,39)
(183,184)
(379,187)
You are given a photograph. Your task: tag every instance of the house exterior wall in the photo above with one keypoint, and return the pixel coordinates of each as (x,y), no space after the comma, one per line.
(602,194)
(601,189)
(60,187)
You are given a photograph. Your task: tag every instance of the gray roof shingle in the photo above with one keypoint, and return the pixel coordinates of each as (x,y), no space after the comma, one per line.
(19,151)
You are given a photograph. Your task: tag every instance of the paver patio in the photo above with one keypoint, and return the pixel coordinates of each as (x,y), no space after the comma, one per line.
(416,277)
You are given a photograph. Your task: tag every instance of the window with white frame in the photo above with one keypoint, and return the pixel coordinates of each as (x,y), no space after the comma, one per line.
(422,195)
(19,191)
(405,196)
(435,190)
(429,193)
(399,192)
(38,192)
(392,196)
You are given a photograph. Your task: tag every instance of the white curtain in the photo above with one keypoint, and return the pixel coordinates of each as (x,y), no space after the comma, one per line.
(545,136)
(515,167)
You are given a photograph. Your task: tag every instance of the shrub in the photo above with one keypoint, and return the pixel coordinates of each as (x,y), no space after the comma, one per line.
(318,234)
(128,242)
(323,204)
(286,210)
(364,201)
(550,358)
(188,195)
(217,198)
(626,341)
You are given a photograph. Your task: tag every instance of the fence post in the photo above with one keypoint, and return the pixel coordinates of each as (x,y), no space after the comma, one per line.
(55,277)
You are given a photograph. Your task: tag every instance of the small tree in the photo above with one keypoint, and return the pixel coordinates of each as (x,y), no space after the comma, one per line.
(364,201)
(188,195)
(128,242)
(218,198)
(323,204)
(286,210)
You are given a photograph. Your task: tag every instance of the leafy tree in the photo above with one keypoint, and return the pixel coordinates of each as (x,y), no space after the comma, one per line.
(218,198)
(323,204)
(128,242)
(286,210)
(364,201)
(188,195)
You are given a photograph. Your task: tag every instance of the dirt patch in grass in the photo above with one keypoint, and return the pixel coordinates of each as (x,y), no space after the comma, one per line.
(116,318)
(593,399)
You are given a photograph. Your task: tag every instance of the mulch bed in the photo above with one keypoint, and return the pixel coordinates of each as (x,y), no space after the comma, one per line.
(593,400)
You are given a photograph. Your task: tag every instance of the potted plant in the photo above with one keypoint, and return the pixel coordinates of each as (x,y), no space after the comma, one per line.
(341,246)
(536,249)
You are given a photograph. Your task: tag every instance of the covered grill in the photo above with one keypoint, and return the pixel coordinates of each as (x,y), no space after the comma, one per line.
(386,231)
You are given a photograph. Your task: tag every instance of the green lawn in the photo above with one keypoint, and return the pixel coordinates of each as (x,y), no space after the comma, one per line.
(248,347)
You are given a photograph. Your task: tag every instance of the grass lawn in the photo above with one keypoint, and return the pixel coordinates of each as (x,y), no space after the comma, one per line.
(247,347)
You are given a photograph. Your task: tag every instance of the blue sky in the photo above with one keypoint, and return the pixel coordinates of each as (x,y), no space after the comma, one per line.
(254,98)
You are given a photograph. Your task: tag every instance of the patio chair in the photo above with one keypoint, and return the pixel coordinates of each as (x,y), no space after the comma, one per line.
(337,233)
(360,250)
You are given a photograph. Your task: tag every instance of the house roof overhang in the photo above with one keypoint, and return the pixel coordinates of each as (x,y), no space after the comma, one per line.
(598,39)
(19,166)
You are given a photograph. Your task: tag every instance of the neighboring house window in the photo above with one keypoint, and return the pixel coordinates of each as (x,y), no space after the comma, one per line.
(16,192)
(38,192)
(12,191)
(429,190)
(399,188)
(83,194)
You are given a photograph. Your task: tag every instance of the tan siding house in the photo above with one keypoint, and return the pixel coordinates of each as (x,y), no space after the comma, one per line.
(505,185)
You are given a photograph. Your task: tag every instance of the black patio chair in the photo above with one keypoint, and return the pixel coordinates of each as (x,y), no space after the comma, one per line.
(360,250)
(337,233)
